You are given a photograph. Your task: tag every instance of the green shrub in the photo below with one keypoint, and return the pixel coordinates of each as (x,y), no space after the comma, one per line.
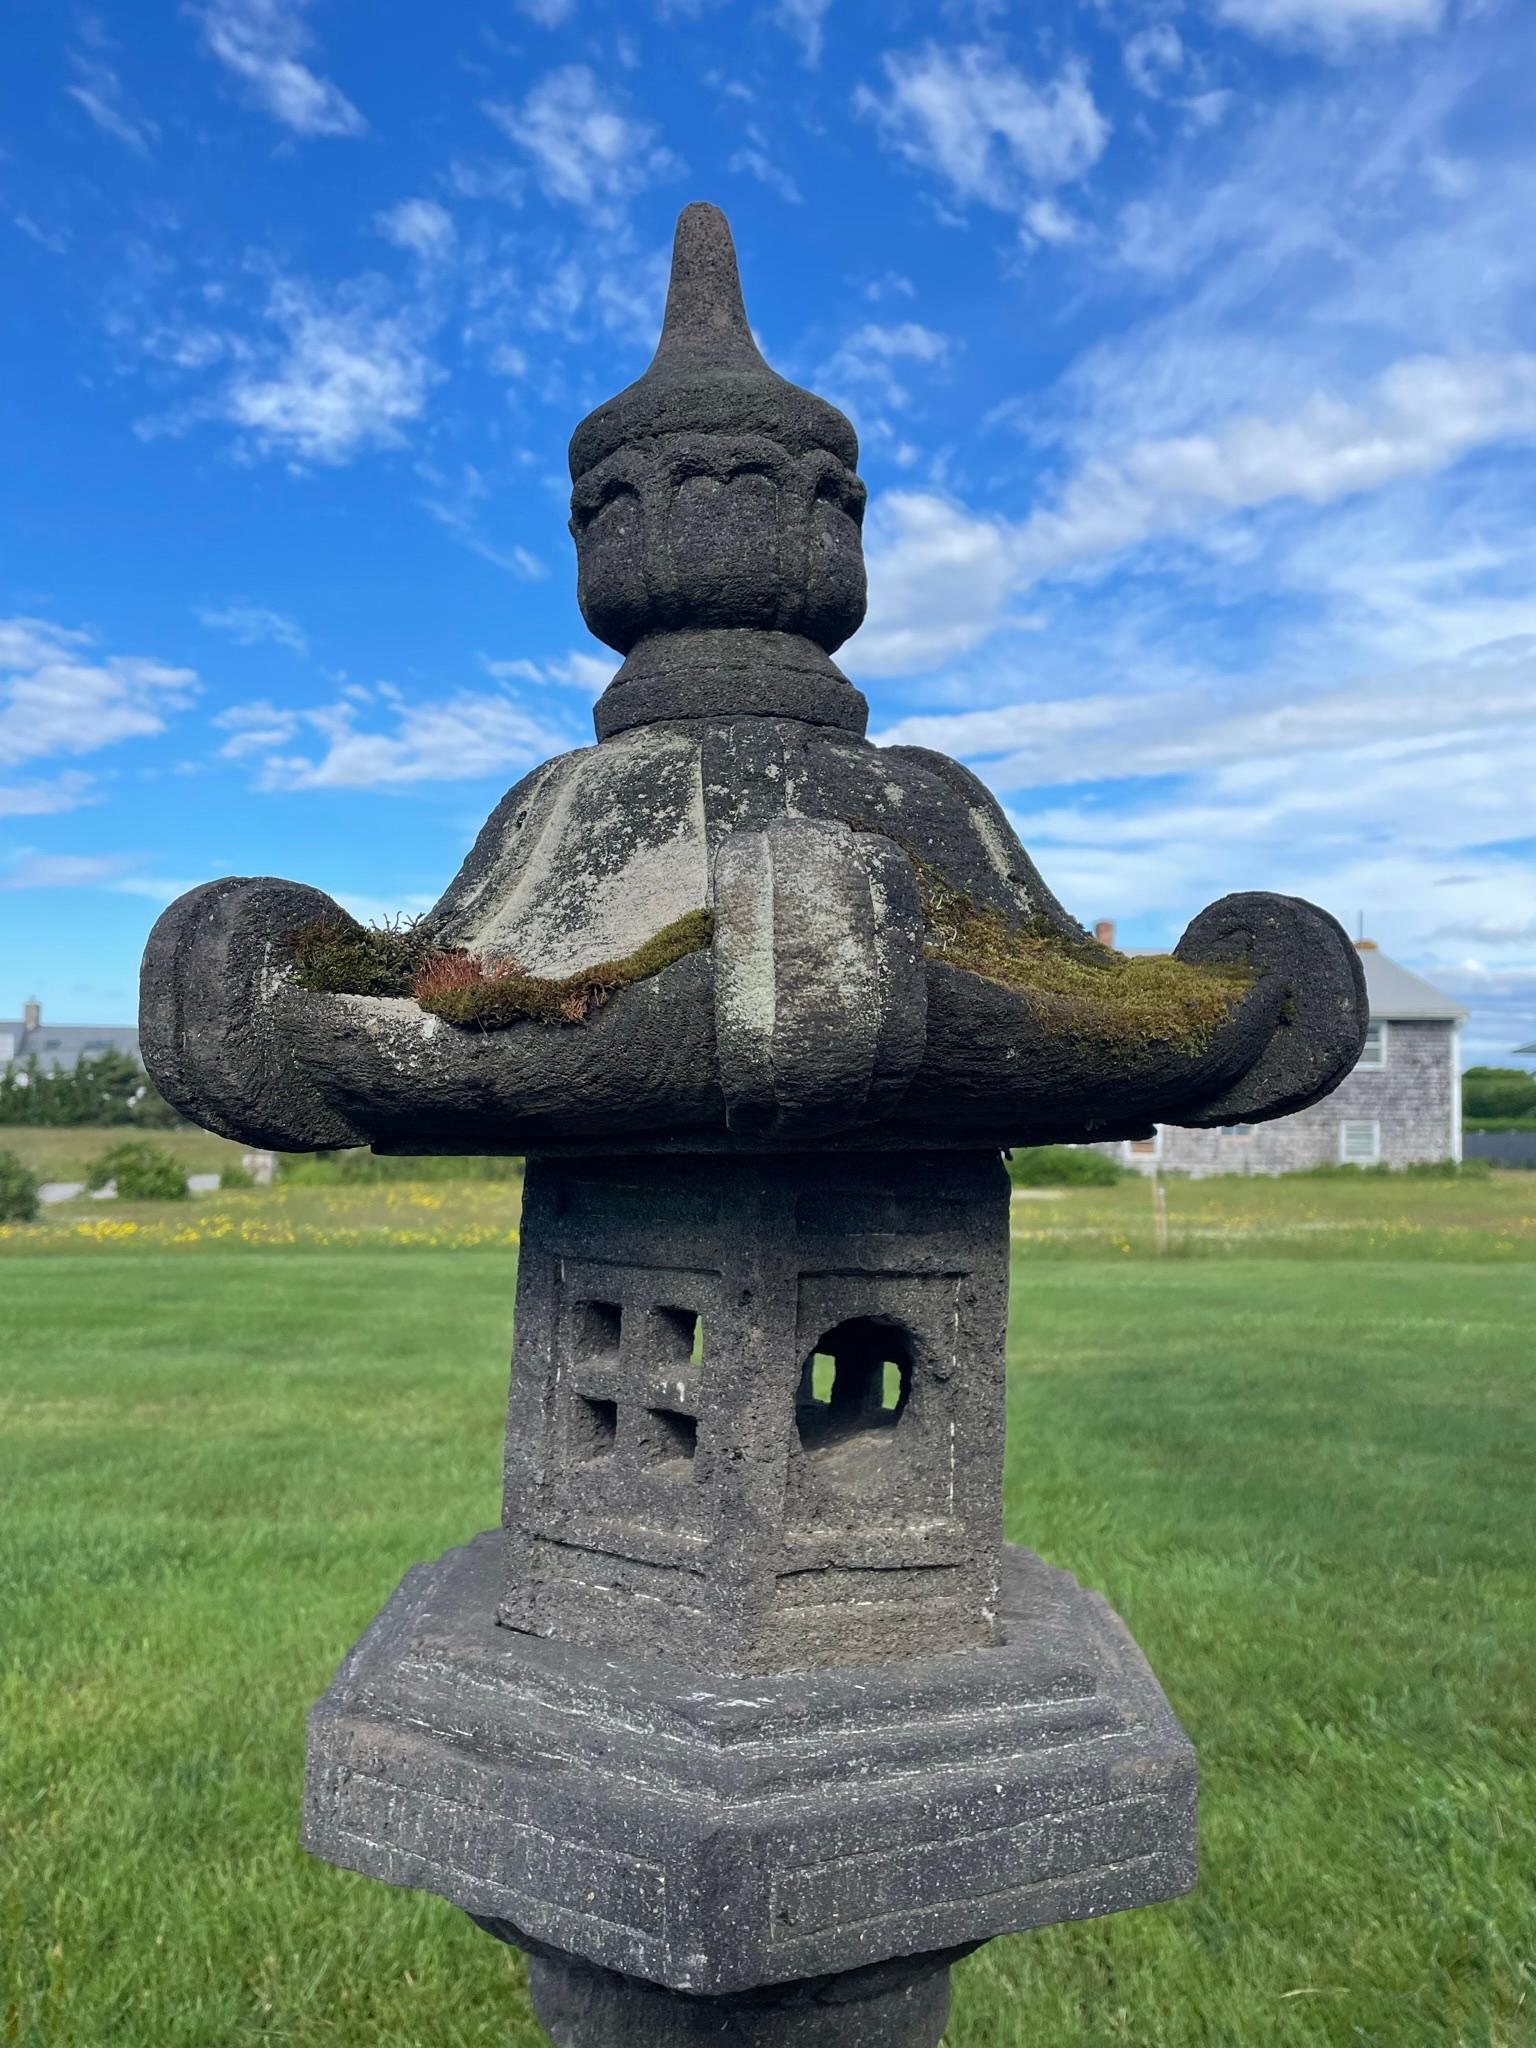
(235,1177)
(1499,1123)
(18,1191)
(1062,1166)
(143,1173)
(1507,1093)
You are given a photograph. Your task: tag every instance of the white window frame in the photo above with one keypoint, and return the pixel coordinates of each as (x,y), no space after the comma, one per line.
(1359,1123)
(1240,1132)
(1379,1026)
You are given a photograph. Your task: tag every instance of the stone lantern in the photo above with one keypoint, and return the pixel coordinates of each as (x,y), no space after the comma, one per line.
(746,1723)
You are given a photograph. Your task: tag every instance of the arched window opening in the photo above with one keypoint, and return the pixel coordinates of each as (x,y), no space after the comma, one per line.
(855,1383)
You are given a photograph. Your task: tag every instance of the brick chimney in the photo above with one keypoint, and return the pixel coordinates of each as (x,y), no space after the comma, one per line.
(1104,931)
(32,1014)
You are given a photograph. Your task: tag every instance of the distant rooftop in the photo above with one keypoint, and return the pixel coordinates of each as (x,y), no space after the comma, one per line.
(59,1046)
(1397,992)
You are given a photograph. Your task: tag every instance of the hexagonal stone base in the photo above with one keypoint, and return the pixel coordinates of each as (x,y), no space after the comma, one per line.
(712,1834)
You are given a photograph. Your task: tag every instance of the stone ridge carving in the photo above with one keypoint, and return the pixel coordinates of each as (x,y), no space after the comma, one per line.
(746,1722)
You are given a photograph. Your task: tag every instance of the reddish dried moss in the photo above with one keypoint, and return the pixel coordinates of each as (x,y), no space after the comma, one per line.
(456,986)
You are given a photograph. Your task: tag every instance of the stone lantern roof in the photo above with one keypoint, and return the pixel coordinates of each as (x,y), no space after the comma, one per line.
(733,923)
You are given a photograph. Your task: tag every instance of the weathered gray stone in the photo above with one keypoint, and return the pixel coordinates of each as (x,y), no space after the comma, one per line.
(679,1484)
(713,1834)
(747,1723)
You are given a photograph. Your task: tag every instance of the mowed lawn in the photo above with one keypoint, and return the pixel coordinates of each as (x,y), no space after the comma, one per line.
(1306,1481)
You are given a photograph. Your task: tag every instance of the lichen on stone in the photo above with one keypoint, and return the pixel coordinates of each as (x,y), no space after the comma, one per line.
(336,956)
(1118,999)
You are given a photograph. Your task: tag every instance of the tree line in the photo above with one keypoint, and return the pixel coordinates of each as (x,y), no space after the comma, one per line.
(109,1087)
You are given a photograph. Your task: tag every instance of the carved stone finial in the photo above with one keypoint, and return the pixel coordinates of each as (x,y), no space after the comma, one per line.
(714,500)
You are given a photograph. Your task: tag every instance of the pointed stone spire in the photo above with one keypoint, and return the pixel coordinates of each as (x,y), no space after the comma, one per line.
(706,314)
(708,374)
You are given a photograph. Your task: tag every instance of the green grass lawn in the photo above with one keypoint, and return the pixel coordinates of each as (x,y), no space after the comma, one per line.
(67,1154)
(1305,1480)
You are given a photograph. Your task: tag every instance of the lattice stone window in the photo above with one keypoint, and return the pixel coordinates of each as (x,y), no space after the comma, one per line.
(1375,1052)
(1359,1141)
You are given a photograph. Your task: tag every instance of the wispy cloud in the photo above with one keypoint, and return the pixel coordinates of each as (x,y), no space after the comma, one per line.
(47,797)
(351,374)
(58,696)
(378,739)
(992,134)
(458,501)
(1337,27)
(754,160)
(99,90)
(805,20)
(264,43)
(586,150)
(251,625)
(422,226)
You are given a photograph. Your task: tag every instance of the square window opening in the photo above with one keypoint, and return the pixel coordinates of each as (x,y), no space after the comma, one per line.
(599,1326)
(671,1437)
(595,1426)
(679,1335)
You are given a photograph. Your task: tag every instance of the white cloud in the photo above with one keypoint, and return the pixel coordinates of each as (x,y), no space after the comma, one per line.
(586,150)
(39,799)
(864,362)
(588,674)
(456,501)
(1047,220)
(450,739)
(1419,416)
(990,132)
(419,225)
(63,870)
(1332,25)
(58,697)
(805,20)
(940,578)
(263,43)
(1152,56)
(755,162)
(1401,793)
(249,625)
(547,13)
(99,90)
(351,375)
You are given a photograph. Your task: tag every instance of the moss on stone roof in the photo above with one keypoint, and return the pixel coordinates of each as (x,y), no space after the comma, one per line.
(1117,999)
(336,956)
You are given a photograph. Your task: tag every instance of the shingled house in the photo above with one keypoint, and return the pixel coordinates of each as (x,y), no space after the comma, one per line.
(1400,1106)
(59,1047)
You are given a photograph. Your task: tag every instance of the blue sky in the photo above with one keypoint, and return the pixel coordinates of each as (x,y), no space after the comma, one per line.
(1191,349)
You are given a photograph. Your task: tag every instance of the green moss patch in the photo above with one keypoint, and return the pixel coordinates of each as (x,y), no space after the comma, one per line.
(337,957)
(1115,998)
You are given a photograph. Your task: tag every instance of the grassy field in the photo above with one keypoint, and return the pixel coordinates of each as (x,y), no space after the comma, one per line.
(1307,1490)
(66,1154)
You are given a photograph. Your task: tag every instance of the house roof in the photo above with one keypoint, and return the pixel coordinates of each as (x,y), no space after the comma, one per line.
(63,1045)
(1395,992)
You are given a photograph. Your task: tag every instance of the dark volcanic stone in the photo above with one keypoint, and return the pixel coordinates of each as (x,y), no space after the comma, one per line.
(713,1834)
